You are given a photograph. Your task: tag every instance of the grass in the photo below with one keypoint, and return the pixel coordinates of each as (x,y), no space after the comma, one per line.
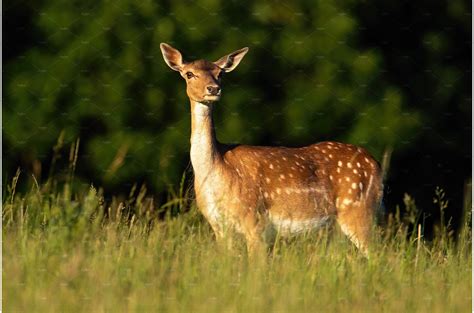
(69,251)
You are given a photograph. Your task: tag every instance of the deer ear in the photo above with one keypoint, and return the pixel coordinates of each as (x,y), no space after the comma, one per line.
(172,56)
(229,62)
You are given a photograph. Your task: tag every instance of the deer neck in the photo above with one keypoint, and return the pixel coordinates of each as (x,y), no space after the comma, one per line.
(205,154)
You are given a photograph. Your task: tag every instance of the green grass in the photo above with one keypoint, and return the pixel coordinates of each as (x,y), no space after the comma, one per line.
(71,252)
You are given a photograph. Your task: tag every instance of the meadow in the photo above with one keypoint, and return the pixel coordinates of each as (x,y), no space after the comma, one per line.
(67,249)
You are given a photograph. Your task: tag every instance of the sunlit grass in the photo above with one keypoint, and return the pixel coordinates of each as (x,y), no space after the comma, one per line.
(73,252)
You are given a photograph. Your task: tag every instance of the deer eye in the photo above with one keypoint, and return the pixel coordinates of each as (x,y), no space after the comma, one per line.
(189,75)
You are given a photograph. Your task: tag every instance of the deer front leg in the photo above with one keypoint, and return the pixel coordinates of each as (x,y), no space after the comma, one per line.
(255,245)
(254,226)
(224,236)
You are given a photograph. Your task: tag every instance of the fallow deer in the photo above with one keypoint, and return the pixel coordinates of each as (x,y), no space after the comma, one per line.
(256,189)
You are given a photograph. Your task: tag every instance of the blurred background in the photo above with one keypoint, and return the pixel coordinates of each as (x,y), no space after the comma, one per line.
(388,76)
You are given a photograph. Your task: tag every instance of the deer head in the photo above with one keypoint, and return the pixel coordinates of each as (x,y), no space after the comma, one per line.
(203,78)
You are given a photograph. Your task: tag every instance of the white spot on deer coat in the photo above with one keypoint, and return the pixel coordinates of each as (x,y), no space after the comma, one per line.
(347,201)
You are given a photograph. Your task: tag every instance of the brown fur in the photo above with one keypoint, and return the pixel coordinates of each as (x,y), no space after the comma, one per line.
(245,188)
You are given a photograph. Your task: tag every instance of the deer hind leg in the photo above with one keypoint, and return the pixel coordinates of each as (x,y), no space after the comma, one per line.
(356,221)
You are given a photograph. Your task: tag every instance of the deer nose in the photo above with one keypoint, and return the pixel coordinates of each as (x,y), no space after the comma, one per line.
(213,90)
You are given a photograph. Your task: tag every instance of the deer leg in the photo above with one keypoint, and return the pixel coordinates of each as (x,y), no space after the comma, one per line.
(254,233)
(224,237)
(356,222)
(255,246)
